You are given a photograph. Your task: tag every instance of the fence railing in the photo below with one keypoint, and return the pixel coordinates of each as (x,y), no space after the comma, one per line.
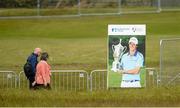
(61,8)
(72,80)
(152,79)
(69,80)
(8,79)
(98,79)
(23,81)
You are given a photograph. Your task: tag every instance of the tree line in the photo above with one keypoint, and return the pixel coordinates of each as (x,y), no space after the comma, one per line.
(17,3)
(67,3)
(33,3)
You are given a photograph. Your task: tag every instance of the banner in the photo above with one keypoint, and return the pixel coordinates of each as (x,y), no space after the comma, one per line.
(126,56)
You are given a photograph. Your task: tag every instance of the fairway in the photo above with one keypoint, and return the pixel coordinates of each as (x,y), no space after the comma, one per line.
(79,40)
(81,43)
(64,53)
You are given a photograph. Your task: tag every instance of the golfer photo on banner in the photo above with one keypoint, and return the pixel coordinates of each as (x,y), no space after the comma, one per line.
(126,56)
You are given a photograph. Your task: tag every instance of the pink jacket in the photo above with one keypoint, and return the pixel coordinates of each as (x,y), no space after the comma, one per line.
(42,72)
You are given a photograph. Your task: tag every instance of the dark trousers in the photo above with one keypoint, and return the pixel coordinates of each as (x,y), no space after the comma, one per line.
(31,80)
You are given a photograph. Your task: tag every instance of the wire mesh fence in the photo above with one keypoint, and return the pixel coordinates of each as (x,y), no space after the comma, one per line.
(60,8)
(169,62)
(168,5)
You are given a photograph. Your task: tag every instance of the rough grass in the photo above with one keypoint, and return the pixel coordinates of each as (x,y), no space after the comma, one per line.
(112,98)
(80,43)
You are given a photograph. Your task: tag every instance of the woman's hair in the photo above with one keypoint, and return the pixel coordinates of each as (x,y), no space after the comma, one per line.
(44,56)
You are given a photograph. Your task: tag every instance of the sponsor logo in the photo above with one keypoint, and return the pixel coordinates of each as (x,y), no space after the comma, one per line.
(119,29)
(136,29)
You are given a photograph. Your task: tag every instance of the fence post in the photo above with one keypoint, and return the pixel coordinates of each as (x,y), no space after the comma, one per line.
(159,6)
(119,7)
(154,76)
(16,80)
(79,7)
(20,78)
(38,7)
(160,54)
(90,81)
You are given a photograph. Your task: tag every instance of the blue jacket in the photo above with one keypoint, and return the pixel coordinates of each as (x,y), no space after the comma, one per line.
(32,59)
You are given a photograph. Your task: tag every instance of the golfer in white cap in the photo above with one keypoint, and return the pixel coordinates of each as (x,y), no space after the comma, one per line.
(131,63)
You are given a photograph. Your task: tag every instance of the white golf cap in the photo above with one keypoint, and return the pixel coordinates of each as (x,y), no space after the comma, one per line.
(133,40)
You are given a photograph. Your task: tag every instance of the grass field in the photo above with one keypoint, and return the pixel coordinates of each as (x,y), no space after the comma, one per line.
(80,43)
(66,36)
(71,10)
(116,78)
(124,97)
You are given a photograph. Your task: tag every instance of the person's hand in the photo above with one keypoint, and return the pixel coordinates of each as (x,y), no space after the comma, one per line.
(121,71)
(33,84)
(45,84)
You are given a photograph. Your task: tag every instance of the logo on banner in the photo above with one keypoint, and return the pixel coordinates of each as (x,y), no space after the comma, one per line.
(134,29)
(120,29)
(137,29)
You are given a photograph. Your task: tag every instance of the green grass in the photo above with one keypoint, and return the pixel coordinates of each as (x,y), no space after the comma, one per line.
(64,53)
(70,10)
(34,12)
(116,78)
(87,34)
(80,43)
(112,98)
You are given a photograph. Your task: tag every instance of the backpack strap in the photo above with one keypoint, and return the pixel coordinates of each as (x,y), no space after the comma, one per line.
(28,60)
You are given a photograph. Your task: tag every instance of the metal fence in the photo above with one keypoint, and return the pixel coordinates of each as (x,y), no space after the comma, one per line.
(8,79)
(98,80)
(152,79)
(23,81)
(170,5)
(169,62)
(69,8)
(69,80)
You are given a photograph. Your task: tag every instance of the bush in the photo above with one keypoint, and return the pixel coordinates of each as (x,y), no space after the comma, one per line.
(18,3)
